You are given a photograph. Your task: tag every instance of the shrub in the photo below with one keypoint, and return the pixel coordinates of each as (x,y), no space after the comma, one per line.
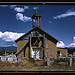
(31,60)
(45,63)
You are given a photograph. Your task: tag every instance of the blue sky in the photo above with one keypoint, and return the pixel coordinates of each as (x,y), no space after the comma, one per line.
(57,20)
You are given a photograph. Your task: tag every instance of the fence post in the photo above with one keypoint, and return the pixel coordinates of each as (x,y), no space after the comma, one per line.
(19,61)
(71,61)
(48,61)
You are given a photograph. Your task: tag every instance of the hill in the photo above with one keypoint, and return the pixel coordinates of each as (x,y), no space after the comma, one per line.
(10,49)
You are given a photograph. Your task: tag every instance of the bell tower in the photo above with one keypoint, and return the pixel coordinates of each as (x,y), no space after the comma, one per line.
(36,20)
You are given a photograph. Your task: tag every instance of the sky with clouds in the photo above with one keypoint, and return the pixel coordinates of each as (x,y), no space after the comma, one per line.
(57,20)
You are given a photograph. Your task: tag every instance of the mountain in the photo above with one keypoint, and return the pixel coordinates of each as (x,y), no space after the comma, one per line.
(9,48)
(70,49)
(73,48)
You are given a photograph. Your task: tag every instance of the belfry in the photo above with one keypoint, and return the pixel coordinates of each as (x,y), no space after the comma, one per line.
(36,20)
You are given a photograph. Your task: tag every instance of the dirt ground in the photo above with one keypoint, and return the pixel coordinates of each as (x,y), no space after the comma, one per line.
(27,66)
(38,68)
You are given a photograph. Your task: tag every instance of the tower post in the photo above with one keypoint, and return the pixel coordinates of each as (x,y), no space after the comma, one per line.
(35,21)
(37,18)
(32,23)
(40,22)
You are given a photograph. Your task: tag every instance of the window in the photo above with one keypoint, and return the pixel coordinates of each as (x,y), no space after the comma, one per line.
(58,52)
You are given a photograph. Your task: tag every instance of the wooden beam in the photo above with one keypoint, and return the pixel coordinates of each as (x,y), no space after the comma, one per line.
(40,22)
(29,46)
(21,48)
(40,47)
(47,50)
(43,46)
(35,21)
(36,36)
(32,23)
(36,47)
(35,54)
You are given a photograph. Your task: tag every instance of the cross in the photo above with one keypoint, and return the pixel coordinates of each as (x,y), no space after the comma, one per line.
(36,10)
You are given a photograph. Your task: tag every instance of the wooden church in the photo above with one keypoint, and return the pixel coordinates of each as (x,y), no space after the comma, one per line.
(36,43)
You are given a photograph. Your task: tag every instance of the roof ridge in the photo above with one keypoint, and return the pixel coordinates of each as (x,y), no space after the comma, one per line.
(47,35)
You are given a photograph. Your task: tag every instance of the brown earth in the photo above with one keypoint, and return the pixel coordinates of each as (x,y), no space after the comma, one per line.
(31,66)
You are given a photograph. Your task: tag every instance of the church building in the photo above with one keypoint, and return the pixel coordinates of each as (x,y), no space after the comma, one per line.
(37,43)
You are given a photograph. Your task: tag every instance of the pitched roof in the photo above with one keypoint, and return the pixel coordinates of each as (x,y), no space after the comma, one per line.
(49,37)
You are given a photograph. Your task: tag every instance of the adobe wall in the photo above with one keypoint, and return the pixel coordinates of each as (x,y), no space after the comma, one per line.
(19,45)
(53,51)
(62,51)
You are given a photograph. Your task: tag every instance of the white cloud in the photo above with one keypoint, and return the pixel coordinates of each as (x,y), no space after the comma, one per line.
(66,14)
(49,22)
(10,36)
(18,9)
(12,6)
(3,5)
(35,7)
(72,44)
(74,38)
(20,16)
(26,7)
(60,44)
(14,45)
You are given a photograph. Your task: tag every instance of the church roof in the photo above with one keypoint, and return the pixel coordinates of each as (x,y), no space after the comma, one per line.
(49,37)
